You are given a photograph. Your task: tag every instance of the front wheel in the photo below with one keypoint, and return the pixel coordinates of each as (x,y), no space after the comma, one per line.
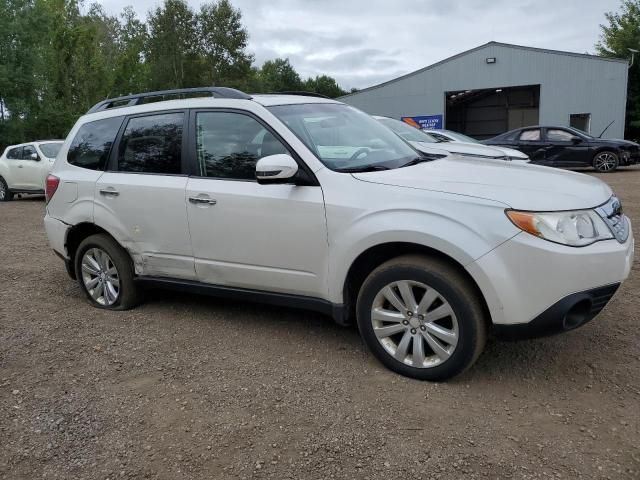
(5,193)
(105,273)
(421,318)
(606,162)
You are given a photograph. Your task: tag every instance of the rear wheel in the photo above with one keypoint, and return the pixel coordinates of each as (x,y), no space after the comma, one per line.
(5,193)
(421,318)
(105,273)
(605,162)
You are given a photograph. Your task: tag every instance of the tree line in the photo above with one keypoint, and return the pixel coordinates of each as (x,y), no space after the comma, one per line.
(58,58)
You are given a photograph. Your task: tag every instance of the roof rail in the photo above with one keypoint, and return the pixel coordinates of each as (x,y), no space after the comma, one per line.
(301,93)
(136,99)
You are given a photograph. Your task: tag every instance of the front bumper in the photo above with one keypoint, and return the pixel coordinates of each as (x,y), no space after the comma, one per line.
(571,312)
(526,277)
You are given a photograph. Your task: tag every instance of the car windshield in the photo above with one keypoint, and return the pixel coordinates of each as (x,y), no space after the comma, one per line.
(460,137)
(579,132)
(409,133)
(50,150)
(344,138)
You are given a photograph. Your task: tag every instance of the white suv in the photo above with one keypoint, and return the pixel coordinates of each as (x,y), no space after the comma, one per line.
(310,203)
(24,167)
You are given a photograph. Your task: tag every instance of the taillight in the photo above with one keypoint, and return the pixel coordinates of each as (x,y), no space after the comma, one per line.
(50,187)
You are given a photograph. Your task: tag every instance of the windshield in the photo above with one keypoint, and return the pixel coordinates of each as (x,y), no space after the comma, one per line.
(579,132)
(344,138)
(409,133)
(460,137)
(50,150)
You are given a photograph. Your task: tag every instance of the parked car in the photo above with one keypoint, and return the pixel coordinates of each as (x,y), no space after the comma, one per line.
(569,147)
(311,203)
(425,143)
(24,167)
(451,136)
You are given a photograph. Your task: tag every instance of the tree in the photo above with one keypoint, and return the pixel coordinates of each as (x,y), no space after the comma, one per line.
(279,76)
(173,47)
(619,34)
(223,42)
(324,85)
(130,69)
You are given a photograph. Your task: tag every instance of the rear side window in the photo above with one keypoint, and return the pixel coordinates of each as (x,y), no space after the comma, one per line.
(152,144)
(15,153)
(530,135)
(91,146)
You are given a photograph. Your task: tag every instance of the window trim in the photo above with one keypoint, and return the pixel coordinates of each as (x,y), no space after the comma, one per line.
(193,153)
(112,162)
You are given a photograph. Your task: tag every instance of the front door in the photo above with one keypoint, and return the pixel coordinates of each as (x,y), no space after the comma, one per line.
(141,200)
(566,149)
(247,235)
(28,171)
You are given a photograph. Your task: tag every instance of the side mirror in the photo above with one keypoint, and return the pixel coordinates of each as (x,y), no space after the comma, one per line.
(279,168)
(34,157)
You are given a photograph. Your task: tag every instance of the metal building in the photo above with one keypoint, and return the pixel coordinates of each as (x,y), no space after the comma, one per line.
(497,87)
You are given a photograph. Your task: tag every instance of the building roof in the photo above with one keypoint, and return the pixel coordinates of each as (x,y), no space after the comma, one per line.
(480,47)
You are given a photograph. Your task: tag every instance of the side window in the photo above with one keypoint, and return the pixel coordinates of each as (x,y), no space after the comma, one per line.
(152,144)
(15,154)
(556,135)
(28,151)
(530,135)
(229,145)
(91,145)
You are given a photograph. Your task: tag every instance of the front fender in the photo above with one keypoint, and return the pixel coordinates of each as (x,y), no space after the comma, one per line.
(475,229)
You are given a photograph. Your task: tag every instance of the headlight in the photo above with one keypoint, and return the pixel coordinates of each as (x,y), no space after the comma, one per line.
(574,228)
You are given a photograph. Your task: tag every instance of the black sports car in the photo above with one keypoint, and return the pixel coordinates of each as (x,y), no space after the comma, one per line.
(569,147)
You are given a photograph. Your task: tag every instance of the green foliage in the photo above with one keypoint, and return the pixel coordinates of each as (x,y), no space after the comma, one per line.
(59,57)
(620,33)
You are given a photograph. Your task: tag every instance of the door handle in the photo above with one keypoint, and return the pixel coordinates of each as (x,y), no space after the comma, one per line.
(109,192)
(202,201)
(19,166)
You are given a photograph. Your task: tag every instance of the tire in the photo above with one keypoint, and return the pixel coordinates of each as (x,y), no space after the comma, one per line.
(606,161)
(5,193)
(448,291)
(100,267)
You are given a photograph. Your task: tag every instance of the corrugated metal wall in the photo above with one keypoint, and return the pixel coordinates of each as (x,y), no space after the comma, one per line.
(568,84)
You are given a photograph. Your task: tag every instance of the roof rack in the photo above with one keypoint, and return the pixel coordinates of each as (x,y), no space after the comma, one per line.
(137,99)
(301,93)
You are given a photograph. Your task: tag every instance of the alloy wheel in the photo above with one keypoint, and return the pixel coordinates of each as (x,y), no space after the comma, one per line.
(100,276)
(605,162)
(415,324)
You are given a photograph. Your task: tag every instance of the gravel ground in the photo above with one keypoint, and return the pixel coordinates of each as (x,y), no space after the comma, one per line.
(188,387)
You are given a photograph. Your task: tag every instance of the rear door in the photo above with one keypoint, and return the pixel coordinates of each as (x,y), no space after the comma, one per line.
(262,237)
(140,199)
(566,149)
(531,142)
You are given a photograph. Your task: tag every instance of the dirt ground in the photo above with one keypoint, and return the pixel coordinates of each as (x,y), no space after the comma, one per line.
(188,387)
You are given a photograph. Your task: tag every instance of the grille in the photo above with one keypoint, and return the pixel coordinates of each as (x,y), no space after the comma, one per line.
(601,297)
(611,213)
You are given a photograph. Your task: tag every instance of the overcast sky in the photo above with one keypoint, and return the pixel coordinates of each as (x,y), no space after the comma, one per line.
(364,42)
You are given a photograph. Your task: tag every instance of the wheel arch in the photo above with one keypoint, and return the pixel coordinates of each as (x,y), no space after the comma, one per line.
(78,233)
(375,255)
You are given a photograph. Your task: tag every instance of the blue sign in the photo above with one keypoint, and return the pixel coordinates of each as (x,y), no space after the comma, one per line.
(426,122)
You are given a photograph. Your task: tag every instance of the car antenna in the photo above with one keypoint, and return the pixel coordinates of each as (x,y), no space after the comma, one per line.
(606,128)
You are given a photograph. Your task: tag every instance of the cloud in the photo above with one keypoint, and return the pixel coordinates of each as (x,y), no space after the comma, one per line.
(364,42)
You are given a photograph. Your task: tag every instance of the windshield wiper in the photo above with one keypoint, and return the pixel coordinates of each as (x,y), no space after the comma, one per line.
(366,168)
(416,161)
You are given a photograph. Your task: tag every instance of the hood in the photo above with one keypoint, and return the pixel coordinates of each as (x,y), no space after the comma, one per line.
(517,185)
(614,142)
(462,149)
(512,153)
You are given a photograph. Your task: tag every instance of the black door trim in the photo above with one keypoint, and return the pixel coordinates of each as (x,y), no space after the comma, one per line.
(334,310)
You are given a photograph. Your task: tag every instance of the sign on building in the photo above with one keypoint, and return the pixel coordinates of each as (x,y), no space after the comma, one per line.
(427,122)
